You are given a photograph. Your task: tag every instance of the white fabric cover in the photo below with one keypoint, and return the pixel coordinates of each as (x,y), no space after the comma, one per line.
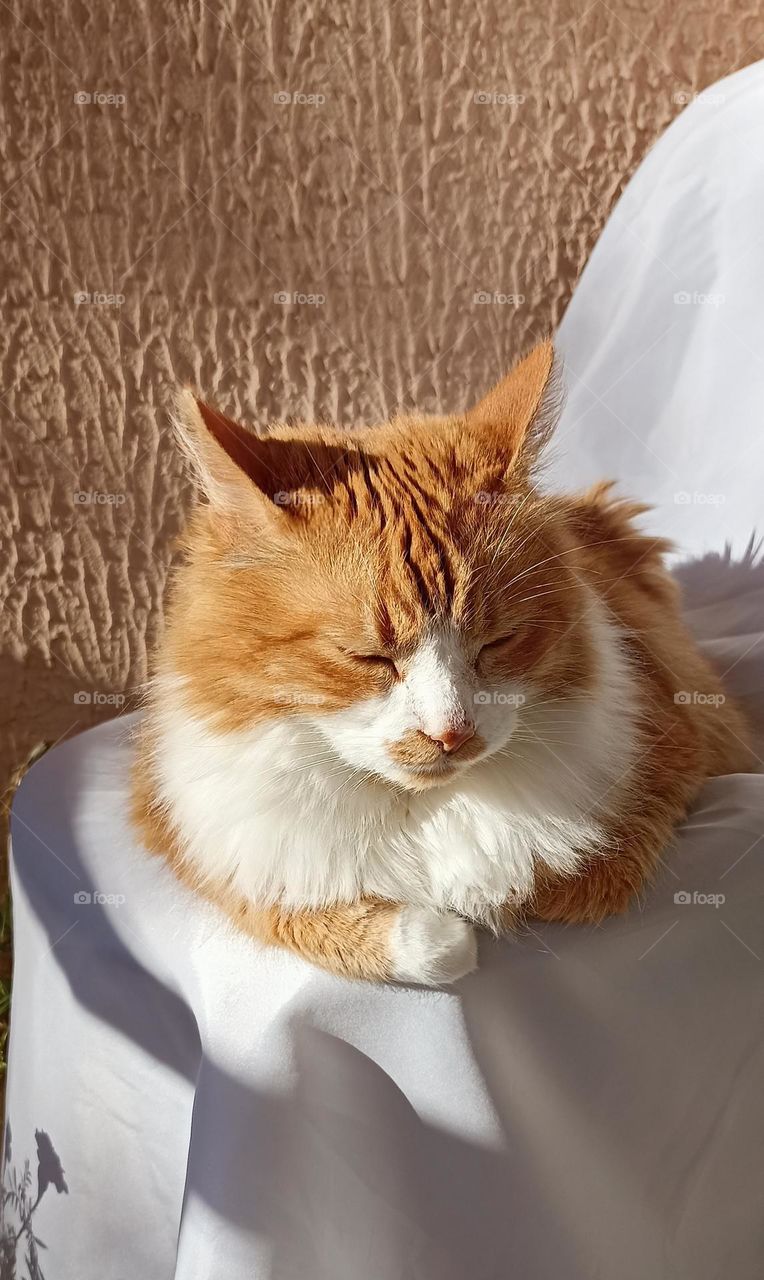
(590,1103)
(662,342)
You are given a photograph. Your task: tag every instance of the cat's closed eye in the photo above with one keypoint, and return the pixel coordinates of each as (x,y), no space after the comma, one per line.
(506,638)
(379,661)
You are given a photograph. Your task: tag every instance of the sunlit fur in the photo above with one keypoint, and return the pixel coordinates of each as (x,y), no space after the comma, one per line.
(351,602)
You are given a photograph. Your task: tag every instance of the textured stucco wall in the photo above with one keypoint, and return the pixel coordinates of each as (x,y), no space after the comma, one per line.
(197,196)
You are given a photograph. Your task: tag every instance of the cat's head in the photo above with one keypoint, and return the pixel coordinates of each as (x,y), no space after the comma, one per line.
(404,588)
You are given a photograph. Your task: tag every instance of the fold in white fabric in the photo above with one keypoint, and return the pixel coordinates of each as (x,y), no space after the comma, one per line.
(662,341)
(589,1104)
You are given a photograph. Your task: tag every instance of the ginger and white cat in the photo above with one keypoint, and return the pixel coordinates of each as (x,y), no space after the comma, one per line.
(403,693)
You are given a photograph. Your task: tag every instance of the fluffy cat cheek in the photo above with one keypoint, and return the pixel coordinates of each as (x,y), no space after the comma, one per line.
(361,734)
(496,723)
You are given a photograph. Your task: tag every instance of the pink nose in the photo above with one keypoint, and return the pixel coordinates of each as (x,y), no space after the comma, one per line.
(452,739)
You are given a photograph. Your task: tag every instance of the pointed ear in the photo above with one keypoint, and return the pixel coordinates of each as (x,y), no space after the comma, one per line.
(229,461)
(521,411)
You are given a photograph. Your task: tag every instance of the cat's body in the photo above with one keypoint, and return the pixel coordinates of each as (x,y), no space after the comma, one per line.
(402,690)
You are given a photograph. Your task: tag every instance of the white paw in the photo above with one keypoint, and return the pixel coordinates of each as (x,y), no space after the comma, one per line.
(431,947)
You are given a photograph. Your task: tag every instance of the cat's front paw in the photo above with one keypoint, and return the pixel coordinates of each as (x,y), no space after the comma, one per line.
(431,947)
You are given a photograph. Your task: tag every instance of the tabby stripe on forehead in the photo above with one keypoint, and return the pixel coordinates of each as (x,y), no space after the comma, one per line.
(409,482)
(420,502)
(430,568)
(415,571)
(448,576)
(442,576)
(443,482)
(349,487)
(375,502)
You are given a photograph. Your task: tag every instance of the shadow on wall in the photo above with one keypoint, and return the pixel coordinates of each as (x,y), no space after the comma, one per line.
(41,703)
(78,655)
(44,702)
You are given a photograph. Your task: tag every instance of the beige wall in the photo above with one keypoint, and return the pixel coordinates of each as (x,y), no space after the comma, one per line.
(398,197)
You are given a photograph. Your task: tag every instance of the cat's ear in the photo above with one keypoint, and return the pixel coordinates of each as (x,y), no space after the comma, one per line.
(522,410)
(231,464)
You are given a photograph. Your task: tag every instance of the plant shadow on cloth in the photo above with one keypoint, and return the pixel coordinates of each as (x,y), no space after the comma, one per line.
(20,1204)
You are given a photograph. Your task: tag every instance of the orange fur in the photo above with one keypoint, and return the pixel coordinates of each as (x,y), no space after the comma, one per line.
(686,742)
(321,556)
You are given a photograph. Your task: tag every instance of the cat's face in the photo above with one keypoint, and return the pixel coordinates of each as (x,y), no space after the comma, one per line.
(405,590)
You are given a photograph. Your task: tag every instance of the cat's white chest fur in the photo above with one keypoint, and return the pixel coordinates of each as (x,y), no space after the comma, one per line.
(279,816)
